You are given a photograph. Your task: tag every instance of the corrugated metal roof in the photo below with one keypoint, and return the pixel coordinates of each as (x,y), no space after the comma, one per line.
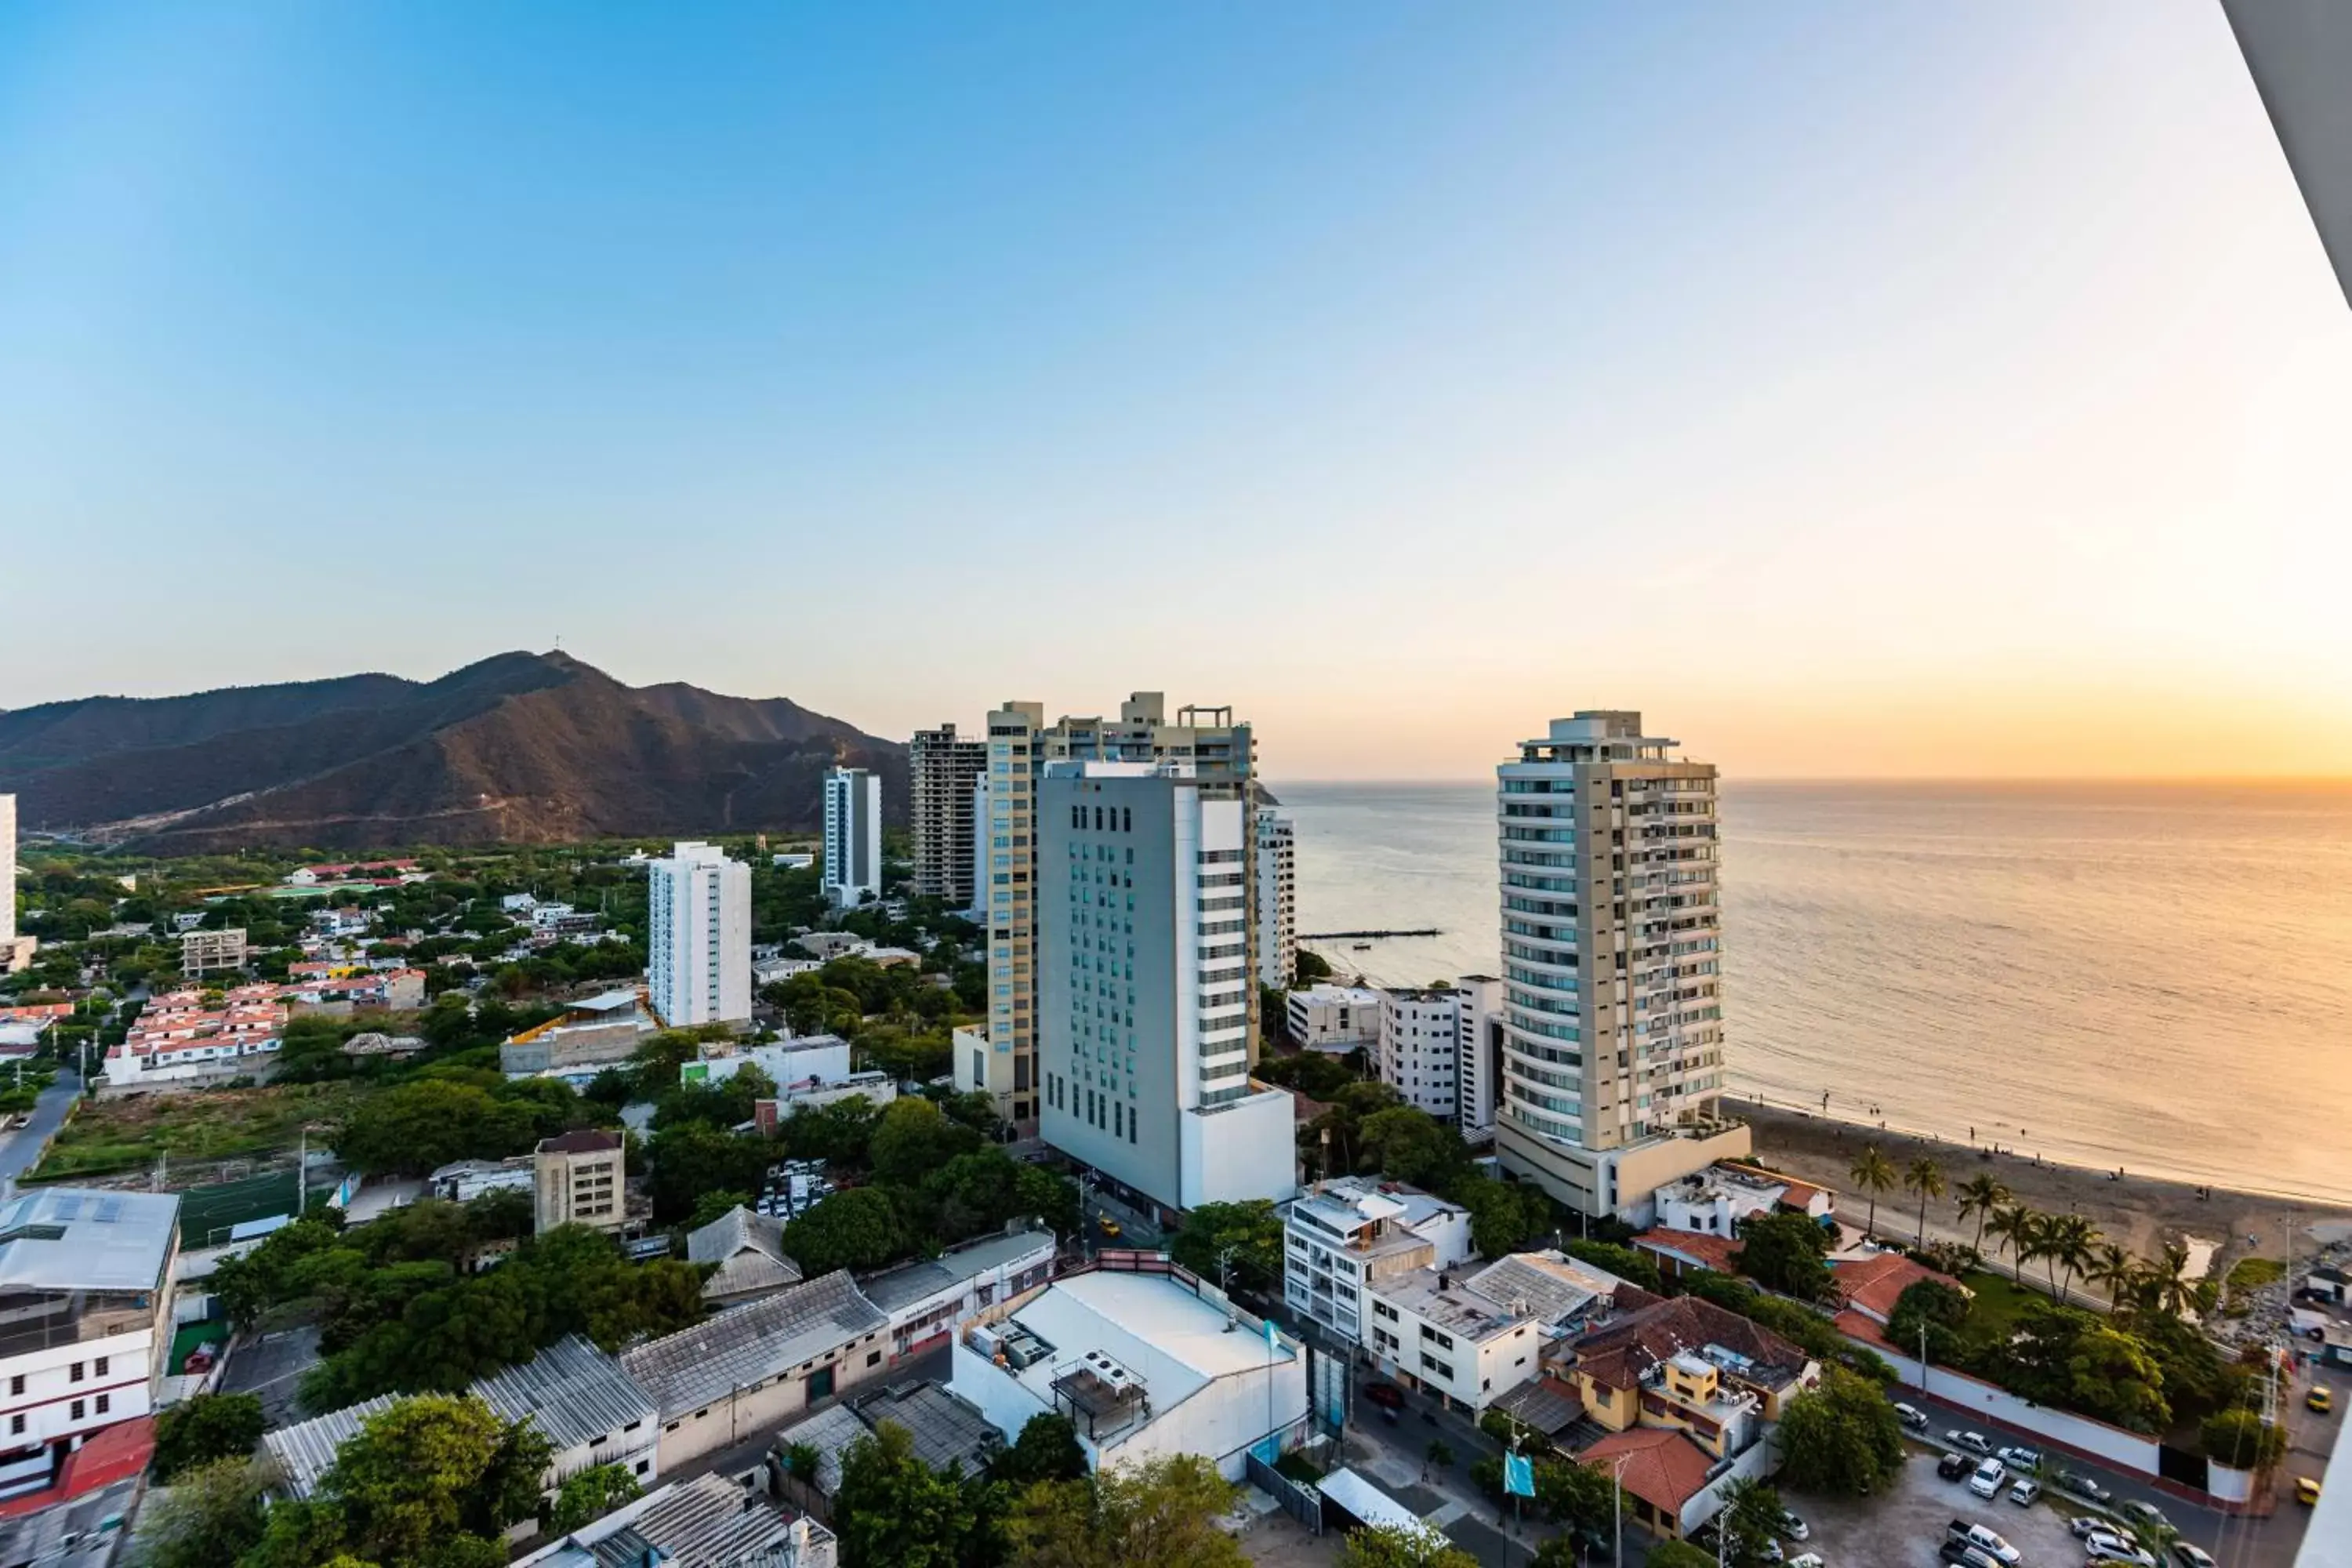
(830,1432)
(749,1251)
(903,1286)
(82,1239)
(946,1429)
(689,1369)
(570,1391)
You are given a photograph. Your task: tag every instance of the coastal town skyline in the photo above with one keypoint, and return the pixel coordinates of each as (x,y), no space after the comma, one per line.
(1957,389)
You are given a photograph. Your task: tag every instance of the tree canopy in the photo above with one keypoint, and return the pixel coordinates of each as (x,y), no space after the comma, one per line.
(1841,1438)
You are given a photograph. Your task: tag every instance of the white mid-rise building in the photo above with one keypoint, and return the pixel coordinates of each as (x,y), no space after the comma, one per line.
(1277,899)
(1419,1053)
(853,837)
(85,1320)
(1142,900)
(698,937)
(1333,1018)
(1341,1236)
(1612,1032)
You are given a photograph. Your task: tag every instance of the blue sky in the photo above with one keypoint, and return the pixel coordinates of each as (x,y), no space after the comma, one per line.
(1859,389)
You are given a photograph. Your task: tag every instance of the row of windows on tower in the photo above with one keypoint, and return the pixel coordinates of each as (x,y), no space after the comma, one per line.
(1098,1111)
(1120,818)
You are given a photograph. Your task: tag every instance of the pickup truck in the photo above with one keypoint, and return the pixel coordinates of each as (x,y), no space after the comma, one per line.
(1988,1541)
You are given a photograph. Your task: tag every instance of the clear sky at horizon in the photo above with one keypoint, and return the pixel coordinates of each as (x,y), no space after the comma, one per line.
(1858,390)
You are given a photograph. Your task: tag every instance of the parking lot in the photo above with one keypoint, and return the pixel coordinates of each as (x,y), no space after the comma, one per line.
(1902,1530)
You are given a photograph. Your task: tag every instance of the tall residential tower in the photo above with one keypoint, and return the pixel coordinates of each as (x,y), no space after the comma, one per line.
(853,837)
(1613,1034)
(1277,901)
(943,769)
(1020,744)
(698,937)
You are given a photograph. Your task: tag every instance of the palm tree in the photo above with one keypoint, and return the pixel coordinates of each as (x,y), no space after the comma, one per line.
(1874,1174)
(2067,1242)
(2020,1226)
(2111,1266)
(2165,1283)
(1979,1195)
(1925,1177)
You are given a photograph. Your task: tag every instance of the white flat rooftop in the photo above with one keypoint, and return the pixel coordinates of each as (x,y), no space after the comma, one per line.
(1168,1337)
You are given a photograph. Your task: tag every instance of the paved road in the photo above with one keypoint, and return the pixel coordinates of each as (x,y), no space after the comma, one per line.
(21,1148)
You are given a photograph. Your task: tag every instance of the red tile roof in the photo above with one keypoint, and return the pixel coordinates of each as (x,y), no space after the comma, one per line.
(1720,1253)
(1856,1326)
(1663,1467)
(1875,1284)
(1616,1355)
(111,1454)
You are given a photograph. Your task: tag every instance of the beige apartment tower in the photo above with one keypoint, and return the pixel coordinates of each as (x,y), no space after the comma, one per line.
(942,768)
(579,1178)
(1612,1017)
(1019,743)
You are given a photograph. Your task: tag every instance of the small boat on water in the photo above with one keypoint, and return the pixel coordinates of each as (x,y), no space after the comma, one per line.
(1363,947)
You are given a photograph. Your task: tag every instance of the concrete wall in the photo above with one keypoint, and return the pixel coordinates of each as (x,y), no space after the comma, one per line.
(1981,1401)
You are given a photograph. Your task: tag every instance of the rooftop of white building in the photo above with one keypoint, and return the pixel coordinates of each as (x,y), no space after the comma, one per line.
(1443,1298)
(1166,1336)
(78,1238)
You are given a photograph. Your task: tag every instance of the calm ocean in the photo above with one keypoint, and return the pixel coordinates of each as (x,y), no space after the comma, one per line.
(2153,976)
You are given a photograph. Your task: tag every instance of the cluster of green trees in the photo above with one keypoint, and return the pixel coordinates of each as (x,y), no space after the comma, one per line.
(431,1482)
(399,1312)
(2139,1367)
(1367,1128)
(937,1177)
(445,1113)
(1034,1504)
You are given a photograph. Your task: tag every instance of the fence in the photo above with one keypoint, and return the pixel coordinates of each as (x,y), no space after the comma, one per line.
(1300,1501)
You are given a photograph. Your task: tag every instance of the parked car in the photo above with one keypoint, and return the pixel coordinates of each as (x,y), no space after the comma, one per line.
(1807,1560)
(2019,1458)
(1983,1538)
(2105,1547)
(1911,1415)
(1386,1394)
(2026,1492)
(2321,1398)
(2084,1486)
(2085,1525)
(1794,1529)
(1975,1442)
(2144,1513)
(1986,1483)
(1952,1467)
(2307,1490)
(2190,1557)
(1960,1555)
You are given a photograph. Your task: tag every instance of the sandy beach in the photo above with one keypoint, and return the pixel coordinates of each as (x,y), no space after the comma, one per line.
(2140,1213)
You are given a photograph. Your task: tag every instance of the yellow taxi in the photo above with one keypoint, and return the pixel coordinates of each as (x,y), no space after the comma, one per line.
(1108,1227)
(2320,1398)
(2307,1490)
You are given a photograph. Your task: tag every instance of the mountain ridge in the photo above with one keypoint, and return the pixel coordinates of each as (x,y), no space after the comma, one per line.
(519,747)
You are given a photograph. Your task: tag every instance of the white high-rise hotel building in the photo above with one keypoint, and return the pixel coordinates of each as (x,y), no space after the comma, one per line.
(1613,1034)
(853,837)
(1277,901)
(698,937)
(1143,914)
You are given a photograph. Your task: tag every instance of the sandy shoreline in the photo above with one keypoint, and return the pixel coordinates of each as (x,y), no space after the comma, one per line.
(2141,1213)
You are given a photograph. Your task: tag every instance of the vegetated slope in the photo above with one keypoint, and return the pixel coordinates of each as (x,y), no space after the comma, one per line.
(520,748)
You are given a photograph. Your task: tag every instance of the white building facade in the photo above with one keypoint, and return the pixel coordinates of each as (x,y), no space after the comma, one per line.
(698,937)
(85,1292)
(853,837)
(1343,1236)
(1277,899)
(1611,1024)
(1333,1018)
(1144,906)
(1480,997)
(1419,1053)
